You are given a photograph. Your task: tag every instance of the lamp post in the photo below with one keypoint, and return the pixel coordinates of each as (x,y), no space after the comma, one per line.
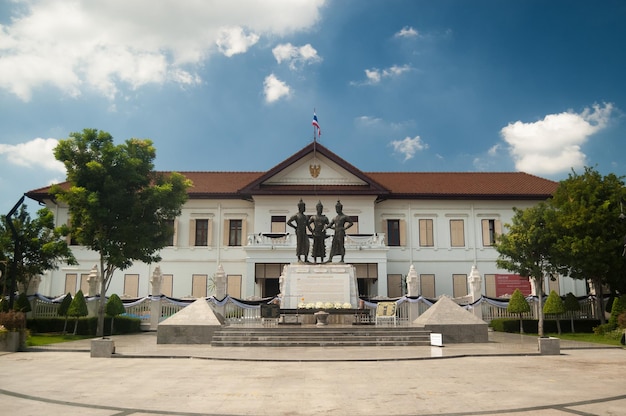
(17,253)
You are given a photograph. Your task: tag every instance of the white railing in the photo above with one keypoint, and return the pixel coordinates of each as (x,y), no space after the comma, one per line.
(141,310)
(237,315)
(354,241)
(42,309)
(168,309)
(365,241)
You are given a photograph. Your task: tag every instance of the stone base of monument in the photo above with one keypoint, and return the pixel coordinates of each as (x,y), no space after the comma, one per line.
(310,284)
(455,324)
(194,324)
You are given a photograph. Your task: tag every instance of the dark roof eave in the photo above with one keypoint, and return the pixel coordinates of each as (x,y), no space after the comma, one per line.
(507,197)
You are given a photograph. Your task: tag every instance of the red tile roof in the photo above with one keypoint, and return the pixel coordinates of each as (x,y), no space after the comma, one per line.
(386,185)
(400,185)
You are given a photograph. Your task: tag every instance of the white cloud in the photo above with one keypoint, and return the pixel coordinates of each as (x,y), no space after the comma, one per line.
(113,44)
(407,32)
(374,76)
(296,56)
(409,146)
(275,89)
(367,121)
(35,154)
(234,40)
(553,145)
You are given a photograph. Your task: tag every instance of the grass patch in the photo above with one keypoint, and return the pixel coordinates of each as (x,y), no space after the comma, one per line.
(607,339)
(35,340)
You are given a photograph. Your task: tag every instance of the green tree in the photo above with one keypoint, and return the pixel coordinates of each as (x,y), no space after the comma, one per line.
(554,306)
(118,205)
(571,305)
(114,307)
(590,238)
(526,248)
(78,308)
(519,305)
(42,245)
(23,304)
(64,308)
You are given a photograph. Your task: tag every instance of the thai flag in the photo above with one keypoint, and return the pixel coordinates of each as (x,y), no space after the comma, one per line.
(316,124)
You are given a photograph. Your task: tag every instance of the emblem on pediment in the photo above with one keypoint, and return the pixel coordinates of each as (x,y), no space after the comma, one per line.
(315,170)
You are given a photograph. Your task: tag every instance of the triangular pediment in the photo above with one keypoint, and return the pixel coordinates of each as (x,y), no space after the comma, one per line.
(314,169)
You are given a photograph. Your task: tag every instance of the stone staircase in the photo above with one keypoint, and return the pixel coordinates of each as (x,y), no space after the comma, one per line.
(327,336)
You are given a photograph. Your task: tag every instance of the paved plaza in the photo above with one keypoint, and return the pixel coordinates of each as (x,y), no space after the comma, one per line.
(505,376)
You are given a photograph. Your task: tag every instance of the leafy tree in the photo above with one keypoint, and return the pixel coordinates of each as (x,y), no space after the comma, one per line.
(64,309)
(42,245)
(23,304)
(518,304)
(114,307)
(526,248)
(571,305)
(590,238)
(118,205)
(78,308)
(554,306)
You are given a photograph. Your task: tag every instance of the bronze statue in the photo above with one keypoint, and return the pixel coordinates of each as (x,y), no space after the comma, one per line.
(340,224)
(320,222)
(300,222)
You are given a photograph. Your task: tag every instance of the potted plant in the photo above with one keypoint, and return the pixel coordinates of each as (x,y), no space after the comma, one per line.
(12,331)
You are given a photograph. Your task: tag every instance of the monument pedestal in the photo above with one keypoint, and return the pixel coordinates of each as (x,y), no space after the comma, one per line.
(312,283)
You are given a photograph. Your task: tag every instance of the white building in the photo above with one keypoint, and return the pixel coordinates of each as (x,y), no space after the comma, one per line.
(441,223)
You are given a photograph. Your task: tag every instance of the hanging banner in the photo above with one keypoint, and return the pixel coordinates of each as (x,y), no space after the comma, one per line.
(507,283)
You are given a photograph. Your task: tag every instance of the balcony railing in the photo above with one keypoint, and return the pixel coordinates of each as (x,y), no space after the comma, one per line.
(352,241)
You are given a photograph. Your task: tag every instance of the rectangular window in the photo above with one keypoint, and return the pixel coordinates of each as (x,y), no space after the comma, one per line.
(234,232)
(279,224)
(490,285)
(459,285)
(202,232)
(167,285)
(233,285)
(355,225)
(394,285)
(131,285)
(70,283)
(199,285)
(491,230)
(427,285)
(426,233)
(393,232)
(84,284)
(457,233)
(171,228)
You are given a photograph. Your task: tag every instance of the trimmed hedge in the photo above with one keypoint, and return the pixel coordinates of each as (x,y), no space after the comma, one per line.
(86,326)
(549,325)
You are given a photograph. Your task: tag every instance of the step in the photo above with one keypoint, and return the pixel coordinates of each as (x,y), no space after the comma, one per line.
(320,336)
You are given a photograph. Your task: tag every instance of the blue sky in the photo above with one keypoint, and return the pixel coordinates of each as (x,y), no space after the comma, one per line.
(403,85)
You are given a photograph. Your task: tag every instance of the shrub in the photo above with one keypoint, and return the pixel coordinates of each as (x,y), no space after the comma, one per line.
(85,326)
(621,320)
(13,320)
(619,307)
(519,305)
(22,304)
(511,325)
(78,308)
(64,308)
(114,307)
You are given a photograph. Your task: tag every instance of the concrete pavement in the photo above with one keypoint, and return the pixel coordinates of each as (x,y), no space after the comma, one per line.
(504,376)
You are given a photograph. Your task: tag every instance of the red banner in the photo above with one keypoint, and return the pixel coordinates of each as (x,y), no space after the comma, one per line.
(507,283)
